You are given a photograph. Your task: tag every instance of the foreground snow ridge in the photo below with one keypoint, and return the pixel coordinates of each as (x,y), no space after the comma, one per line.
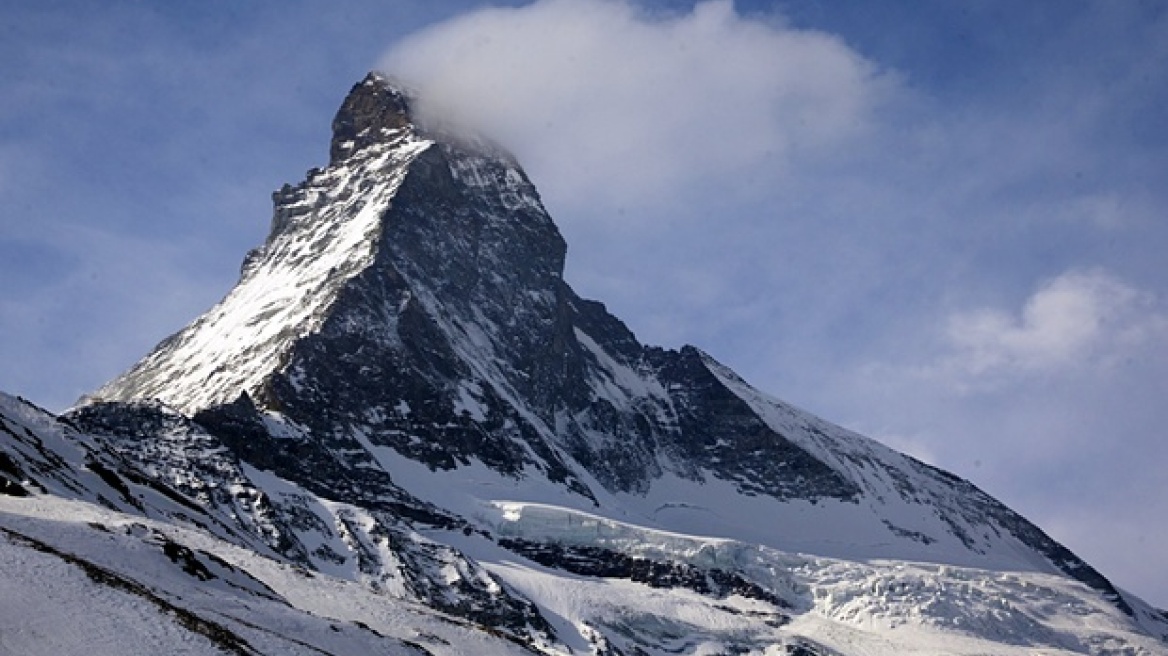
(79,577)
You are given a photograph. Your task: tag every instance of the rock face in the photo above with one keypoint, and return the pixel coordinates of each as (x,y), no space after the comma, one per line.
(402,377)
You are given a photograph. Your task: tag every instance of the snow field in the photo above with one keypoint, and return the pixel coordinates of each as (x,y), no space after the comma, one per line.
(50,607)
(275,607)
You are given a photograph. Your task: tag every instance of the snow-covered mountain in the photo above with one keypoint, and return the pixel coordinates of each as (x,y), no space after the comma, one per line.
(403,432)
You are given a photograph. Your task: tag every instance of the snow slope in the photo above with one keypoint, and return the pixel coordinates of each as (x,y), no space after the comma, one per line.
(81,579)
(78,577)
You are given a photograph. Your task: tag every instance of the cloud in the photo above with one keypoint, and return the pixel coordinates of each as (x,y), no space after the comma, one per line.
(1052,404)
(1078,319)
(602,99)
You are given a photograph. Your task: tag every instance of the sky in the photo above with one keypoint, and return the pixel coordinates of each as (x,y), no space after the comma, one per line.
(942,225)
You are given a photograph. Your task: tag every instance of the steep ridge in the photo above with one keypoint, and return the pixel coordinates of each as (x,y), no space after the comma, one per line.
(323,233)
(401,359)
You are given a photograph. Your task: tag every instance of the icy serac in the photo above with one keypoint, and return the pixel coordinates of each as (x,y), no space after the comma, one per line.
(402,392)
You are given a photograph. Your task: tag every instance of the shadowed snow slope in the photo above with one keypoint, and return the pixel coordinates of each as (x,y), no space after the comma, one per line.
(403,405)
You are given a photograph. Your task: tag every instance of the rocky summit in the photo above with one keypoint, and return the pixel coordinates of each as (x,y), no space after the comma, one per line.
(403,432)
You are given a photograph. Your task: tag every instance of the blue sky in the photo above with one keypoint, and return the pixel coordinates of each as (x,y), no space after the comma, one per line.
(940,224)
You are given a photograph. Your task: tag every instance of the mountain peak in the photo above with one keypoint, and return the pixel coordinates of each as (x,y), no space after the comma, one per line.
(374,107)
(408,310)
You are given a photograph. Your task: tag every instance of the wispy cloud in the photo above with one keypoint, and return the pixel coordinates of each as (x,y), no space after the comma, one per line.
(605,100)
(1079,320)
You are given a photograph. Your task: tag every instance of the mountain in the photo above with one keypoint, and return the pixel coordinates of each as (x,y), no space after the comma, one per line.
(403,431)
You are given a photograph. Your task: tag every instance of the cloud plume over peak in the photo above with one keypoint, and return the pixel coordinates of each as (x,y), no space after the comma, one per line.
(669,96)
